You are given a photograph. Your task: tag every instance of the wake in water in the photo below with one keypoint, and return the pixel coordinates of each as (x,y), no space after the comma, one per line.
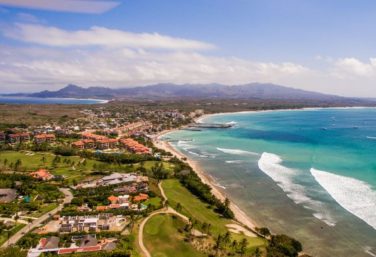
(271,165)
(372,138)
(353,195)
(236,151)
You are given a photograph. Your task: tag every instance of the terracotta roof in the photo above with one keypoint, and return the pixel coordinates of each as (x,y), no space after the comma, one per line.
(140,197)
(113,198)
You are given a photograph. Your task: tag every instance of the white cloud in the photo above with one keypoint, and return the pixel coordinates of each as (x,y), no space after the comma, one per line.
(121,59)
(98,36)
(78,6)
(348,67)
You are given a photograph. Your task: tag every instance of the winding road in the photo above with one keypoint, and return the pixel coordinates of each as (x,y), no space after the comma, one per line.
(35,223)
(166,210)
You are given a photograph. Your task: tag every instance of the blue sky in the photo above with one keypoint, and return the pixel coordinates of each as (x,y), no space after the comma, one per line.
(325,46)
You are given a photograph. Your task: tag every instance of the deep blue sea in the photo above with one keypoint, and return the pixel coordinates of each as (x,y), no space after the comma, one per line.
(307,173)
(39,100)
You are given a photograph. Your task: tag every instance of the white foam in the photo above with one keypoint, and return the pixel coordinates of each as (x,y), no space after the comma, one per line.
(271,165)
(236,151)
(234,161)
(353,195)
(372,138)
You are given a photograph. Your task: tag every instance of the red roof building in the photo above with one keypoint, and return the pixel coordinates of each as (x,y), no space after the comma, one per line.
(42,174)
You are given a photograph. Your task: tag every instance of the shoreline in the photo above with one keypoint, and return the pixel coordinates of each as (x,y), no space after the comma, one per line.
(240,215)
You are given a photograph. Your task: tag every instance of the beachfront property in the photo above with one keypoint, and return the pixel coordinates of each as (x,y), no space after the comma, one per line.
(19,138)
(44,138)
(7,195)
(134,146)
(42,174)
(80,244)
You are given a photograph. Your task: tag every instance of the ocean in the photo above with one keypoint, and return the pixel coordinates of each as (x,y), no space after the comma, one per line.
(310,174)
(40,100)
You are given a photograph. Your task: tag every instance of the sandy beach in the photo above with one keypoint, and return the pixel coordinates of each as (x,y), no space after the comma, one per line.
(240,216)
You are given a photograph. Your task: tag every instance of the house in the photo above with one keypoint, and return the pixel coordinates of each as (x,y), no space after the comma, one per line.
(140,198)
(117,178)
(2,137)
(113,199)
(7,195)
(42,174)
(19,138)
(107,143)
(48,243)
(44,138)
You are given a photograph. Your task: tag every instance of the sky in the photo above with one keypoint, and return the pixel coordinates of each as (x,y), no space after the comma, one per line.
(319,45)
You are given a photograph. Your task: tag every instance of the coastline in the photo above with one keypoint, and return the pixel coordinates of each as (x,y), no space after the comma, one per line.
(239,214)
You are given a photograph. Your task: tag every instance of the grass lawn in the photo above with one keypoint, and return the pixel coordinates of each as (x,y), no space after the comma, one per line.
(44,209)
(155,201)
(194,208)
(162,238)
(32,161)
(4,234)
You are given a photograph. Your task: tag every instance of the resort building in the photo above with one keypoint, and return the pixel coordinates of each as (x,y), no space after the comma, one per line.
(44,138)
(134,146)
(19,138)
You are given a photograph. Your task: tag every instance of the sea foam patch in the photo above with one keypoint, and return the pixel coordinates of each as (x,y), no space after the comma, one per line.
(271,165)
(354,195)
(236,151)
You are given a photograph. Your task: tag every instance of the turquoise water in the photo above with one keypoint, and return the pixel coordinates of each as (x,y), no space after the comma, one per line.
(40,100)
(307,173)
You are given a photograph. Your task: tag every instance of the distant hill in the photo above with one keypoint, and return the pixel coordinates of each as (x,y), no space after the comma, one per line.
(189,91)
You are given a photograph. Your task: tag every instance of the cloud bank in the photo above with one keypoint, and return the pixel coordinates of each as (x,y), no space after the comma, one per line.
(107,57)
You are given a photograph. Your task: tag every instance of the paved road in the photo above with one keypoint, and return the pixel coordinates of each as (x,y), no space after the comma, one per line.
(68,198)
(166,210)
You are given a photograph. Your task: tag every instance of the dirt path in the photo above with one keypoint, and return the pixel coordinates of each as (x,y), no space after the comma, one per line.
(166,210)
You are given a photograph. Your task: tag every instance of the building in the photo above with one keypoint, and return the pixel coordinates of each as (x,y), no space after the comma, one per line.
(19,138)
(106,143)
(44,138)
(7,195)
(134,146)
(117,178)
(92,223)
(140,198)
(84,144)
(42,174)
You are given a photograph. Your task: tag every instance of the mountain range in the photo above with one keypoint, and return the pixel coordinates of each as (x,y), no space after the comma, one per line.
(188,91)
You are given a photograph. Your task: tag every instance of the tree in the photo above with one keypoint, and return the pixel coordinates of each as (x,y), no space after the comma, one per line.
(243,246)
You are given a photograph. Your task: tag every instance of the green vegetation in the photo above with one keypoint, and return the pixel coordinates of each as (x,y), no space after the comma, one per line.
(5,233)
(163,239)
(192,207)
(202,215)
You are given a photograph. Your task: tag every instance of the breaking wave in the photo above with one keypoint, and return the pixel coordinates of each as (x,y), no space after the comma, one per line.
(353,195)
(234,161)
(236,151)
(271,165)
(372,138)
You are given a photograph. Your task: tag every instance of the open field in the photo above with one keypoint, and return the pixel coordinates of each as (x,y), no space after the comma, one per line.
(163,239)
(192,207)
(37,114)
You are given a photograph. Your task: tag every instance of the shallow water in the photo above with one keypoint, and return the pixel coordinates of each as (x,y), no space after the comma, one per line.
(308,173)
